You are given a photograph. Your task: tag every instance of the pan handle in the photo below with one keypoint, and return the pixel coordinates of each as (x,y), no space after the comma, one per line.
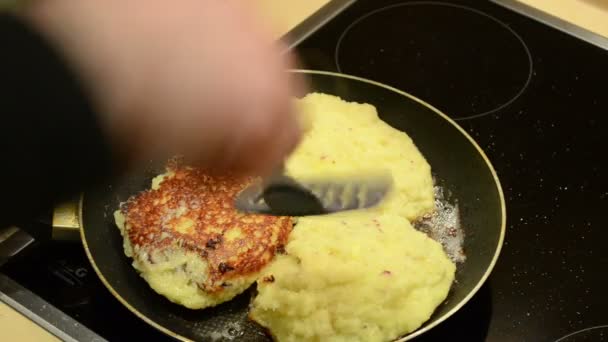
(66,221)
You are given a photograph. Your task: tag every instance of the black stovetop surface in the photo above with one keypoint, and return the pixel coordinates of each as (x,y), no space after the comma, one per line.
(536,101)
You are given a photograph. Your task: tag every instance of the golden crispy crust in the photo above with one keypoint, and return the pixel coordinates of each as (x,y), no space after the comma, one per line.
(194,211)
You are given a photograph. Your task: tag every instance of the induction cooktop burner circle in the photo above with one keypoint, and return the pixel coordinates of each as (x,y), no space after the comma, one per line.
(461,60)
(594,334)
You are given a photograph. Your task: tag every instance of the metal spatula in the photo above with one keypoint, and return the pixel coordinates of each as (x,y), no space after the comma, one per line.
(282,195)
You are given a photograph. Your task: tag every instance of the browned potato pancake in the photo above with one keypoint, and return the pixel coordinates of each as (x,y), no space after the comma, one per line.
(190,244)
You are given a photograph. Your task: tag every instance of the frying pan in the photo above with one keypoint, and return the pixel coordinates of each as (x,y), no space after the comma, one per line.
(458,164)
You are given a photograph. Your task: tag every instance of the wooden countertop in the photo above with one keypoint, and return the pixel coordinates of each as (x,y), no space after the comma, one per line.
(284,15)
(591,15)
(16,327)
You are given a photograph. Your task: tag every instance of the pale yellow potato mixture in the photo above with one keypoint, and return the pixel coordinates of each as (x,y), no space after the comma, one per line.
(364,275)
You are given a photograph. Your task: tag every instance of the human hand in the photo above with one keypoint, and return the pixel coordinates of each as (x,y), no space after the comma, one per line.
(200,78)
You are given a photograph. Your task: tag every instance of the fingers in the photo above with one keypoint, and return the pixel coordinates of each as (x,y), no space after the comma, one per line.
(269,127)
(270,135)
(298,83)
(166,82)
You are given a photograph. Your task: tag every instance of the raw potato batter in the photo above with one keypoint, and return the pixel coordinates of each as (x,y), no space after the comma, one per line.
(361,275)
(358,278)
(349,137)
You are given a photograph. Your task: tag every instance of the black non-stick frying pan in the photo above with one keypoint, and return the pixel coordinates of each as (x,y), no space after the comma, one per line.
(456,160)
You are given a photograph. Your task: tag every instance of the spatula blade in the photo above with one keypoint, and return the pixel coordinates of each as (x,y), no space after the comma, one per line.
(284,196)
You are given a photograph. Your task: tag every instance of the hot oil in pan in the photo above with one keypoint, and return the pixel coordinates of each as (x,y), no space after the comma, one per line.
(226,322)
(444,225)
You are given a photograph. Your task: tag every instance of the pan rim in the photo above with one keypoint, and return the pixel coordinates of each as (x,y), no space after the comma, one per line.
(415,333)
